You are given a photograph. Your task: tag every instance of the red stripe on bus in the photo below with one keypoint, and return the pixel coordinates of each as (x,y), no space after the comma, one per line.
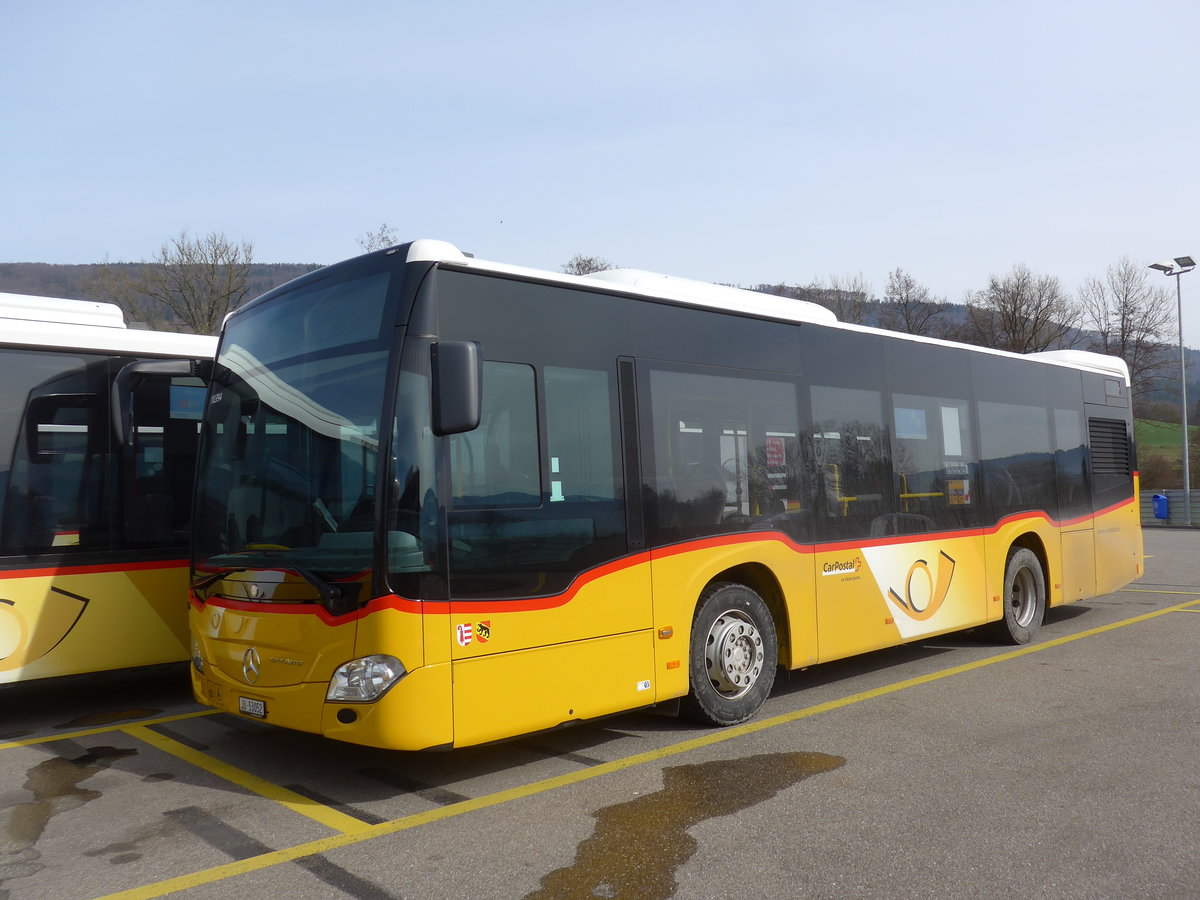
(440,607)
(94,570)
(554,601)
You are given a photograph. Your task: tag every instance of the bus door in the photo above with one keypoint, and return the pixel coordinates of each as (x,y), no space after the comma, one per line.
(550,612)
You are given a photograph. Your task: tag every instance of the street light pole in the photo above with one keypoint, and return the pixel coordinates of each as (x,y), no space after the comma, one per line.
(1181,265)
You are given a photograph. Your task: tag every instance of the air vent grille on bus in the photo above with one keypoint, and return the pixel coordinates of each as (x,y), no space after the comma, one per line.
(1110,447)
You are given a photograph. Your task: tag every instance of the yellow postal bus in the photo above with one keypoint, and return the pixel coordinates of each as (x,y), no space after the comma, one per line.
(443,501)
(98,431)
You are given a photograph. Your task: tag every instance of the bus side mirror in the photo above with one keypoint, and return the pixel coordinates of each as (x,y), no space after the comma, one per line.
(122,388)
(457,386)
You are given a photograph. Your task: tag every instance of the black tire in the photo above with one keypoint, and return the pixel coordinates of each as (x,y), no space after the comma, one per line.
(1024,597)
(732,656)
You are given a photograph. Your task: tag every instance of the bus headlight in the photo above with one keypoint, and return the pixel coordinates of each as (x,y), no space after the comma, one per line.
(365,680)
(197,656)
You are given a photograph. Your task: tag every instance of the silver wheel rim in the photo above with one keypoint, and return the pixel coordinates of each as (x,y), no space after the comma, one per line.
(1024,597)
(733,654)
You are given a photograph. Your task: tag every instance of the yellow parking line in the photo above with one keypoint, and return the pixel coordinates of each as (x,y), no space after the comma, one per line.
(297,803)
(1146,591)
(324,845)
(105,729)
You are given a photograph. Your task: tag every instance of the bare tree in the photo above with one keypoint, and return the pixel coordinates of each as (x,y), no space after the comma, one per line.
(848,297)
(909,307)
(119,283)
(200,280)
(585,265)
(384,236)
(190,284)
(1022,312)
(1131,319)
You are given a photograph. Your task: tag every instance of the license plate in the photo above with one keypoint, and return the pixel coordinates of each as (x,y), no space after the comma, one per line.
(256,708)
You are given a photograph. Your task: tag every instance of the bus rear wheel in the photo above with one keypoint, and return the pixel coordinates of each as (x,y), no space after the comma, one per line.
(732,656)
(1024,597)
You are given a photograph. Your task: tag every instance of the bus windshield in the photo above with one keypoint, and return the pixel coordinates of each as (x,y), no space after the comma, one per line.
(287,470)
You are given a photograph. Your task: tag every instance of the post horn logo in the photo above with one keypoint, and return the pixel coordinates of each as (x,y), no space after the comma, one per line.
(251,666)
(931,593)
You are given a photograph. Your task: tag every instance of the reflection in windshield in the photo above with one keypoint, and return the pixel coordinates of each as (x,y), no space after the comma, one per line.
(291,440)
(296,406)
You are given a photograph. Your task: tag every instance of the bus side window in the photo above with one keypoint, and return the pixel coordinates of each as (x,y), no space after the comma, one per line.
(852,462)
(497,464)
(59,475)
(1015,451)
(726,455)
(513,532)
(934,462)
(160,457)
(579,435)
(413,507)
(43,509)
(1070,463)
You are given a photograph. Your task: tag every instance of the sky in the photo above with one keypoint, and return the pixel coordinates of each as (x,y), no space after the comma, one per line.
(737,143)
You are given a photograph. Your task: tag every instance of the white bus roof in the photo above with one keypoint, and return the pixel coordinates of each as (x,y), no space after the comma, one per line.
(1085,359)
(57,309)
(87,325)
(746,302)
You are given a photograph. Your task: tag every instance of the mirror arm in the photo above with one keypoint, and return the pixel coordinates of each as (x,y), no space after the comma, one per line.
(122,388)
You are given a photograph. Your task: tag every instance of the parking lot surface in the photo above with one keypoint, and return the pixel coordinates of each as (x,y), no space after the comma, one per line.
(949,767)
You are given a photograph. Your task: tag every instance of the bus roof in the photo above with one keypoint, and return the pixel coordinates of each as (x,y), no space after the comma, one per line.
(58,309)
(89,326)
(745,302)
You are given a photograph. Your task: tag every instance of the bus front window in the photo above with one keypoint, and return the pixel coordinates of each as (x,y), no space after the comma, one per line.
(292,434)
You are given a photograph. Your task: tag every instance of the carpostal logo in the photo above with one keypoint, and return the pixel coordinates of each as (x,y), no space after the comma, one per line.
(842,567)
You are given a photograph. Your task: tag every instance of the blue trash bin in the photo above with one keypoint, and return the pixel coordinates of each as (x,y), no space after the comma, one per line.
(1160,506)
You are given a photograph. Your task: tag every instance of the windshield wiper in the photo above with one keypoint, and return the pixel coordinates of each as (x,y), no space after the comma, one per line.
(199,584)
(338,597)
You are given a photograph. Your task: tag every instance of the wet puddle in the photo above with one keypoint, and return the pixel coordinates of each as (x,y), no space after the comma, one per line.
(55,785)
(639,845)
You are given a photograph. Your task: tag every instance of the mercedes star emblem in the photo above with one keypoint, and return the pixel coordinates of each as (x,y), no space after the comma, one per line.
(251,666)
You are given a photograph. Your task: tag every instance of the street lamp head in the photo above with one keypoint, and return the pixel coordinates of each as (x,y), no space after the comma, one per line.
(1164,267)
(1185,262)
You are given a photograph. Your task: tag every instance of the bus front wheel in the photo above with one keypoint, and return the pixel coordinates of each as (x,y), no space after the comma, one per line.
(732,656)
(1024,597)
